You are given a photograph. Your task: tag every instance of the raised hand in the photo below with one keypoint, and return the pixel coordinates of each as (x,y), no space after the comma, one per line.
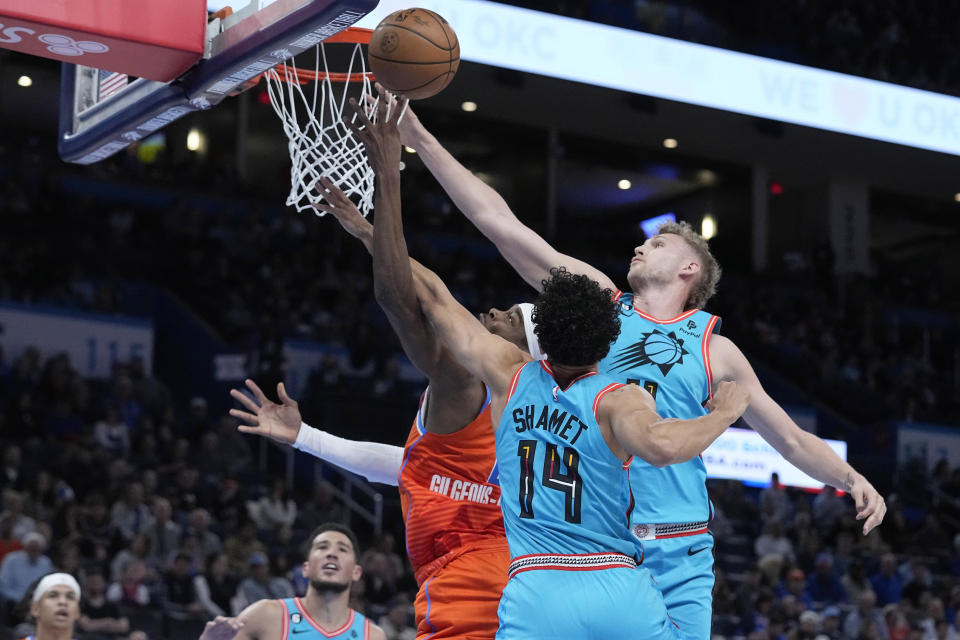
(342,208)
(412,131)
(221,628)
(730,398)
(280,422)
(381,139)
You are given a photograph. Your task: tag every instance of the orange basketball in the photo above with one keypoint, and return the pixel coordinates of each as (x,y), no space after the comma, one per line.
(414,52)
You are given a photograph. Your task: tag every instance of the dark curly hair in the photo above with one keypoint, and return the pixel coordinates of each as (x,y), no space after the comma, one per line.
(576,320)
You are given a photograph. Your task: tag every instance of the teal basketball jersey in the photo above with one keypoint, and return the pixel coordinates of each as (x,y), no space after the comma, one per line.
(563,491)
(671,360)
(299,625)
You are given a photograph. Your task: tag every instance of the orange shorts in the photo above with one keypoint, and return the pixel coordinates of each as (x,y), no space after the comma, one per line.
(460,600)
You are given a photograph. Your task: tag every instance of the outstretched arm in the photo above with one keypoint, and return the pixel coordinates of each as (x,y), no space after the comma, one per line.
(282,423)
(529,254)
(803,450)
(485,355)
(393,283)
(631,415)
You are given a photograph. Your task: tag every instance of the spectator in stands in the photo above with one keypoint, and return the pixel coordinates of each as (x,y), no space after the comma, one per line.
(241,546)
(396,623)
(163,534)
(138,549)
(276,509)
(131,590)
(774,501)
(808,627)
(130,515)
(8,542)
(795,584)
(863,615)
(99,618)
(11,471)
(96,533)
(380,584)
(13,511)
(199,526)
(828,508)
(227,505)
(772,541)
(823,585)
(898,628)
(322,507)
(830,625)
(855,581)
(216,586)
(179,595)
(887,584)
(260,585)
(21,568)
(111,433)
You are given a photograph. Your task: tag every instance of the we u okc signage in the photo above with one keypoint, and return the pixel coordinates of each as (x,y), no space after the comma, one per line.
(741,454)
(591,53)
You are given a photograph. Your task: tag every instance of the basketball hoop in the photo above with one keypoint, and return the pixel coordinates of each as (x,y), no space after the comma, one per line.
(320,143)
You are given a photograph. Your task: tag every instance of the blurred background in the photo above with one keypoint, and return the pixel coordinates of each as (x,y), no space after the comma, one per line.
(134,293)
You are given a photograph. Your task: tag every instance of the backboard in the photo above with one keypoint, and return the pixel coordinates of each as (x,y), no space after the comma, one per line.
(96,123)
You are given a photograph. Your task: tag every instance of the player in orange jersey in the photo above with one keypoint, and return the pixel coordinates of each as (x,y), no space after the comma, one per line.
(447,474)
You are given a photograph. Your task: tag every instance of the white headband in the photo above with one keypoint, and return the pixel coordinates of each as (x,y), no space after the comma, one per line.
(533,345)
(53,580)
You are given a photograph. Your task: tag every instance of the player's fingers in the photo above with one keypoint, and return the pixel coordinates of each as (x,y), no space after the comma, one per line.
(245,429)
(246,417)
(876,518)
(284,398)
(384,104)
(245,400)
(361,116)
(860,500)
(362,134)
(257,392)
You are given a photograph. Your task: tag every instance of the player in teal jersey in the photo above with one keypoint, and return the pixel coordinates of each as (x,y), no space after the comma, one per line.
(324,612)
(671,275)
(564,439)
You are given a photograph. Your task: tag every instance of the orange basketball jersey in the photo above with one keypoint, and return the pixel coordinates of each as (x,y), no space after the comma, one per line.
(449,491)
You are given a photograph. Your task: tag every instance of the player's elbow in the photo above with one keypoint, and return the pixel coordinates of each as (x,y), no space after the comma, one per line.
(661,451)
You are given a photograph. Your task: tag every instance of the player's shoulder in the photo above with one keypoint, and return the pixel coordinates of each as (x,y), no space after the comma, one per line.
(263,614)
(376,633)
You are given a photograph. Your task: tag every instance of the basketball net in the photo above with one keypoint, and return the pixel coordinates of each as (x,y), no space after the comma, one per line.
(320,143)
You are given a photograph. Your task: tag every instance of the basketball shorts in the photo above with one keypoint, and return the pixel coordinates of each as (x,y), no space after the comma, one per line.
(683,571)
(460,599)
(599,604)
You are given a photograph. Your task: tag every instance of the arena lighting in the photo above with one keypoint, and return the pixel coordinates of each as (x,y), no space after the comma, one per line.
(956,197)
(403,165)
(708,227)
(776,188)
(624,184)
(556,46)
(469,106)
(24,81)
(194,140)
(409,149)
(670,143)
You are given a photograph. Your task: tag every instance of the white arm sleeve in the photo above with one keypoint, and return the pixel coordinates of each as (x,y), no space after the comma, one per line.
(374,461)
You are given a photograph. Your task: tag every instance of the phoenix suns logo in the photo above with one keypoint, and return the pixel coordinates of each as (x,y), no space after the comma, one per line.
(663,350)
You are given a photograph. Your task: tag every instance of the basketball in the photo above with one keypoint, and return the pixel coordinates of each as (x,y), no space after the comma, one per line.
(414,53)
